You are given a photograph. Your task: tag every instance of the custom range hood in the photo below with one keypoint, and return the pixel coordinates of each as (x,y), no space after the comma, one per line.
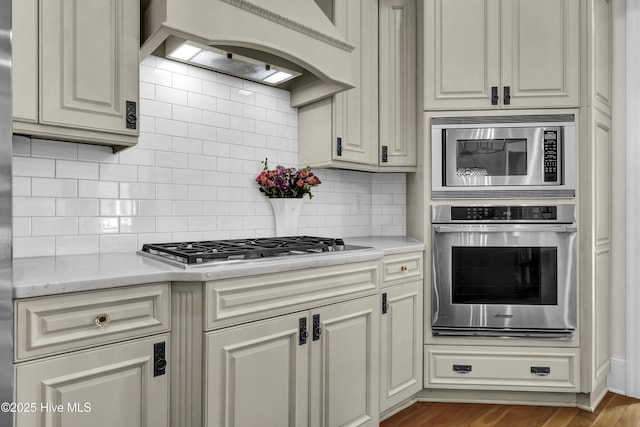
(260,40)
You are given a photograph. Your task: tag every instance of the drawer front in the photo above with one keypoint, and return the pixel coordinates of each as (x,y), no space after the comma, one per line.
(502,368)
(60,323)
(401,268)
(234,301)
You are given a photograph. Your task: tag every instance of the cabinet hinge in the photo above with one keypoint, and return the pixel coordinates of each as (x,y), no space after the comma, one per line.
(303,334)
(339,147)
(159,359)
(131,115)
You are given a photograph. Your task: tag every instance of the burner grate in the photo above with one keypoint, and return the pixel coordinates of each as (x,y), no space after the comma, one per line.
(221,250)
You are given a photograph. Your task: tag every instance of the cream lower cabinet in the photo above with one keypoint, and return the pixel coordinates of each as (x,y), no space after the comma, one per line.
(401,343)
(76,67)
(109,386)
(313,368)
(93,358)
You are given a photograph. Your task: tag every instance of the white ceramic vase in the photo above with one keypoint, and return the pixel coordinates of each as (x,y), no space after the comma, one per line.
(286,212)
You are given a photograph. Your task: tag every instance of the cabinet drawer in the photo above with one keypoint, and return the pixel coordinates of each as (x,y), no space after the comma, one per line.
(401,268)
(502,368)
(243,299)
(60,323)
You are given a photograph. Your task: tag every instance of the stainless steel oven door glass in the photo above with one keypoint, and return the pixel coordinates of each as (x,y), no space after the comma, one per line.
(504,279)
(488,156)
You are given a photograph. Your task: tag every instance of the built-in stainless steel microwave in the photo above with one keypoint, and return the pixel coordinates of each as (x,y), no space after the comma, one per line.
(515,156)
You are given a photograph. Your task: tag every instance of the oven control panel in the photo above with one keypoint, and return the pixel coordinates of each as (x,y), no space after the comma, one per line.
(550,155)
(504,213)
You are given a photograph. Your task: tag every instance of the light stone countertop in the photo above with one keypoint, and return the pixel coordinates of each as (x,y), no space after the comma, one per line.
(40,276)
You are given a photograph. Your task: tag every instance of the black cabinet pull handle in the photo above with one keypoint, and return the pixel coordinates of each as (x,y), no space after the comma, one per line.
(494,95)
(462,369)
(385,303)
(507,95)
(339,147)
(317,329)
(541,371)
(304,335)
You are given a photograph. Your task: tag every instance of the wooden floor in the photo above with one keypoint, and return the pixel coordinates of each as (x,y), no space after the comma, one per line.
(614,411)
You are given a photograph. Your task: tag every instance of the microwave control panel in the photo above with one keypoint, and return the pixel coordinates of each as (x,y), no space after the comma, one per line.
(550,156)
(504,213)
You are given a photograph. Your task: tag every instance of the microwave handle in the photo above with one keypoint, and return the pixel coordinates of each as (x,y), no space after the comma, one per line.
(504,228)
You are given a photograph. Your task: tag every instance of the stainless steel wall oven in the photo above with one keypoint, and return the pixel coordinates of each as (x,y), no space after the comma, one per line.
(504,271)
(503,156)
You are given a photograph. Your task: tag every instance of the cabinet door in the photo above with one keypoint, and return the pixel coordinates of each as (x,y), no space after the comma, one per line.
(89,63)
(400,344)
(541,53)
(24,37)
(109,386)
(462,53)
(355,112)
(397,83)
(257,375)
(344,364)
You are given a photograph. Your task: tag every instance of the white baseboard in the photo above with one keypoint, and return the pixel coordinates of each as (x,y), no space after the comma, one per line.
(617,379)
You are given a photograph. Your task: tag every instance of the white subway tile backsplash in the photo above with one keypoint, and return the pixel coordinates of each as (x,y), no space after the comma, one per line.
(137,224)
(28,166)
(137,190)
(232,108)
(217,90)
(54,226)
(187,83)
(156,207)
(187,176)
(21,145)
(172,192)
(118,207)
(155,174)
(119,243)
(77,245)
(169,159)
(98,189)
(98,225)
(48,187)
(54,149)
(77,169)
(76,207)
(21,226)
(21,186)
(191,176)
(116,172)
(155,76)
(34,246)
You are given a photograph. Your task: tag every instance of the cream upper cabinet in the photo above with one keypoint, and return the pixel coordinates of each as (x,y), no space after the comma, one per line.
(371,127)
(397,84)
(78,68)
(342,131)
(493,54)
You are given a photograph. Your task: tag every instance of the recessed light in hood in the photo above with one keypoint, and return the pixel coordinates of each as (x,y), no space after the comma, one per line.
(226,62)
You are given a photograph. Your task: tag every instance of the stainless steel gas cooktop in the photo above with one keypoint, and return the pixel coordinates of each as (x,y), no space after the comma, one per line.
(208,252)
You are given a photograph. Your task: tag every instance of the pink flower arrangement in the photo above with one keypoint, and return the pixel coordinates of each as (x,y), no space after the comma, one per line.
(284,182)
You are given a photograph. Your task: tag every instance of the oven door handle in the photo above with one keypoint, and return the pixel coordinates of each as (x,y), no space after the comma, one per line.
(504,228)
